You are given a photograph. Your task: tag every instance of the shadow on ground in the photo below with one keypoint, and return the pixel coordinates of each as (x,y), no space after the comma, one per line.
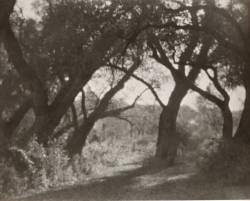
(143,183)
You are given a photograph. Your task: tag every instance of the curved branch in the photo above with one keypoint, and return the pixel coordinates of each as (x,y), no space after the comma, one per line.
(165,61)
(117,112)
(103,103)
(83,105)
(63,130)
(123,119)
(26,72)
(215,34)
(74,116)
(142,81)
(216,82)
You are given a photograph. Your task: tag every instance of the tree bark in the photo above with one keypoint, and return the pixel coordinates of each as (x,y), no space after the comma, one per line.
(78,140)
(189,82)
(243,131)
(10,126)
(227,128)
(45,123)
(168,138)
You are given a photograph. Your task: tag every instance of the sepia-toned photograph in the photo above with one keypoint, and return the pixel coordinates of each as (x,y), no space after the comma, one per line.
(124,100)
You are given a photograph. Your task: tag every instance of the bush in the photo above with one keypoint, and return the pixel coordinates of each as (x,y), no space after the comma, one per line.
(11,182)
(42,168)
(117,151)
(49,167)
(54,167)
(13,174)
(226,163)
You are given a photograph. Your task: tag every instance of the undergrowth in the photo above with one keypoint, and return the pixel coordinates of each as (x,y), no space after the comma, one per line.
(225,163)
(50,167)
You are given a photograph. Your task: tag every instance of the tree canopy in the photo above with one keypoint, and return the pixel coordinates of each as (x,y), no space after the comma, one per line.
(47,66)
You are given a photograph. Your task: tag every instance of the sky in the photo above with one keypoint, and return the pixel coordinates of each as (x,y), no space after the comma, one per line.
(133,87)
(26,5)
(236,96)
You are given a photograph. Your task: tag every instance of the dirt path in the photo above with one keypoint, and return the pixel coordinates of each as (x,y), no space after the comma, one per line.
(141,183)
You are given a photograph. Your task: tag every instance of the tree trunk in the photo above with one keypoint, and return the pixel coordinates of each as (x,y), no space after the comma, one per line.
(78,140)
(11,125)
(243,131)
(46,123)
(227,130)
(168,138)
(49,116)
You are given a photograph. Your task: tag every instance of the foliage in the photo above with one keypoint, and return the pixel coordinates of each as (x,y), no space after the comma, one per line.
(50,167)
(11,182)
(210,120)
(47,167)
(225,163)
(67,48)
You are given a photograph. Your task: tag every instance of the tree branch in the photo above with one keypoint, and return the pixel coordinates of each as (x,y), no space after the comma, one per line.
(14,121)
(217,84)
(61,131)
(117,112)
(124,119)
(221,39)
(83,105)
(26,72)
(140,80)
(165,61)
(103,104)
(211,8)
(74,116)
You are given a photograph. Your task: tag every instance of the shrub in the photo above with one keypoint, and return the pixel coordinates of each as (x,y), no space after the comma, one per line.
(11,182)
(42,168)
(50,167)
(226,163)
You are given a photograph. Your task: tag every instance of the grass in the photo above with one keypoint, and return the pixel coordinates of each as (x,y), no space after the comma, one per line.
(139,183)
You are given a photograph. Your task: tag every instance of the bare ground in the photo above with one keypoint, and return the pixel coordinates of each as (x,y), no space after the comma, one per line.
(136,182)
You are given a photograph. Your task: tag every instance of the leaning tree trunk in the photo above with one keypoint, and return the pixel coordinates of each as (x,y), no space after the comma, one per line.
(242,134)
(77,141)
(243,131)
(227,127)
(168,138)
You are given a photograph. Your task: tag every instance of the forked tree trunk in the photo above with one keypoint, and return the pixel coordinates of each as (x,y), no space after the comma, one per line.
(168,138)
(46,123)
(77,141)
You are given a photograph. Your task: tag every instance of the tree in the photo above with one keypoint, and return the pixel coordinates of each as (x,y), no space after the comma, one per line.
(78,139)
(183,83)
(227,27)
(109,30)
(14,102)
